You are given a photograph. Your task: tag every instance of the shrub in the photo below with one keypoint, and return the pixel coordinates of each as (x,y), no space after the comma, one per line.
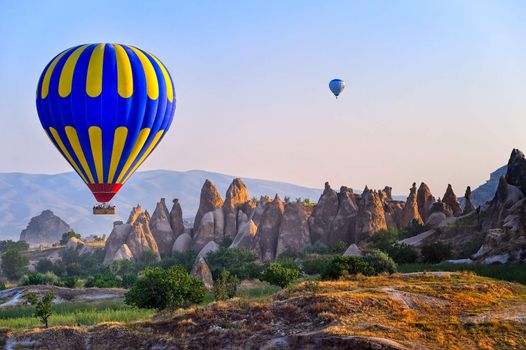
(288,263)
(159,289)
(239,262)
(43,308)
(380,261)
(413,229)
(278,275)
(225,287)
(67,235)
(403,253)
(185,260)
(6,245)
(71,282)
(2,286)
(314,264)
(436,252)
(384,239)
(33,279)
(44,265)
(338,248)
(343,266)
(106,280)
(14,264)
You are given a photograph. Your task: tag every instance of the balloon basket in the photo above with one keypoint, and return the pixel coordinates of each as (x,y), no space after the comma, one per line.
(104,210)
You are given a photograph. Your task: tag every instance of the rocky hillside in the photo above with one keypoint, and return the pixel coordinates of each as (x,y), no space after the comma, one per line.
(46,228)
(413,311)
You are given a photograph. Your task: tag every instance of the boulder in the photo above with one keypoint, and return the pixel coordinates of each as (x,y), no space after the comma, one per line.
(46,228)
(425,200)
(294,232)
(182,243)
(161,228)
(370,218)
(353,250)
(123,253)
(468,205)
(209,247)
(323,214)
(410,212)
(210,229)
(341,228)
(236,196)
(437,214)
(210,200)
(268,230)
(176,218)
(201,271)
(451,202)
(246,236)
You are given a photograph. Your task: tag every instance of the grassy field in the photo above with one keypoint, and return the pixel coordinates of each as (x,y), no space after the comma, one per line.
(513,273)
(74,314)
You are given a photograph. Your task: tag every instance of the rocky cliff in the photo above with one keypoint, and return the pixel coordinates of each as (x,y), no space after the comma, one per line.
(46,228)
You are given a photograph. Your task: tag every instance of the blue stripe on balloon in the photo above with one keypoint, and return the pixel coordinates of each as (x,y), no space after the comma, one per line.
(109,106)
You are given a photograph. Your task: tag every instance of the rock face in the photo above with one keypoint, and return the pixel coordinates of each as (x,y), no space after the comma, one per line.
(161,228)
(202,272)
(210,229)
(425,200)
(176,218)
(182,243)
(246,234)
(353,250)
(236,196)
(411,212)
(451,202)
(46,228)
(342,227)
(468,205)
(294,232)
(516,174)
(371,217)
(323,214)
(210,200)
(268,230)
(437,214)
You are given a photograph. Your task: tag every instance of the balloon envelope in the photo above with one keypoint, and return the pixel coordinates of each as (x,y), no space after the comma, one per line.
(336,86)
(105,107)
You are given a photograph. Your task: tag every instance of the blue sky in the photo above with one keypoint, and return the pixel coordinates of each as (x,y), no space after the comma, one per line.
(436,89)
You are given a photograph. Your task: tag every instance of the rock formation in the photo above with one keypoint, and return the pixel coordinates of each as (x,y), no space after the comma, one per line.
(236,196)
(176,218)
(210,200)
(437,214)
(516,173)
(161,228)
(411,212)
(208,248)
(202,272)
(46,228)
(341,228)
(323,214)
(451,202)
(370,218)
(210,229)
(294,232)
(260,208)
(468,205)
(268,230)
(182,243)
(353,250)
(425,200)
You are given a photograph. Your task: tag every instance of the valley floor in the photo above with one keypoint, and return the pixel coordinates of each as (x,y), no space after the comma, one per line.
(438,310)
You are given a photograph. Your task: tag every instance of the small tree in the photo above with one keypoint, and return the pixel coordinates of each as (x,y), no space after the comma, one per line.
(44,265)
(343,266)
(403,253)
(43,306)
(380,261)
(14,264)
(278,275)
(67,235)
(225,287)
(436,252)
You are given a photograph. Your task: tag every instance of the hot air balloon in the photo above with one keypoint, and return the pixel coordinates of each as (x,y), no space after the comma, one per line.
(336,86)
(105,107)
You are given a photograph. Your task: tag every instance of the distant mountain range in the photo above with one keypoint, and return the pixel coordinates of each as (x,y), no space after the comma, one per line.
(23,196)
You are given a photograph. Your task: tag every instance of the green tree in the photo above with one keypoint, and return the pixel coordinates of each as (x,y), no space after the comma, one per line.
(67,235)
(225,287)
(9,244)
(239,262)
(44,265)
(313,264)
(436,252)
(279,276)
(14,264)
(43,309)
(105,280)
(344,266)
(380,261)
(403,253)
(160,289)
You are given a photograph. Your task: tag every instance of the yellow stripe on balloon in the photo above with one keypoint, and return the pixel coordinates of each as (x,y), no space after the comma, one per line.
(146,154)
(168,81)
(152,85)
(65,152)
(94,75)
(77,148)
(124,72)
(119,140)
(66,77)
(95,138)
(47,77)
(139,143)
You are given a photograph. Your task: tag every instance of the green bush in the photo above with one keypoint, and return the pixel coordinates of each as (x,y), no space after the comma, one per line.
(289,263)
(225,287)
(314,264)
(380,262)
(43,306)
(384,239)
(6,245)
(71,282)
(436,252)
(185,260)
(2,286)
(159,289)
(278,275)
(106,280)
(33,279)
(239,262)
(344,266)
(14,264)
(403,253)
(67,235)
(412,230)
(44,265)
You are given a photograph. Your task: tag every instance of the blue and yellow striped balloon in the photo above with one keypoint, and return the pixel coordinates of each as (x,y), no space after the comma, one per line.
(105,107)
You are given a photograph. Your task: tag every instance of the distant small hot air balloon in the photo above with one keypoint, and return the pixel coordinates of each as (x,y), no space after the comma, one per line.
(336,86)
(105,107)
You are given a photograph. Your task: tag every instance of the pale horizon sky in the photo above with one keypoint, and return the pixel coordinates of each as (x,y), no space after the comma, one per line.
(435,89)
